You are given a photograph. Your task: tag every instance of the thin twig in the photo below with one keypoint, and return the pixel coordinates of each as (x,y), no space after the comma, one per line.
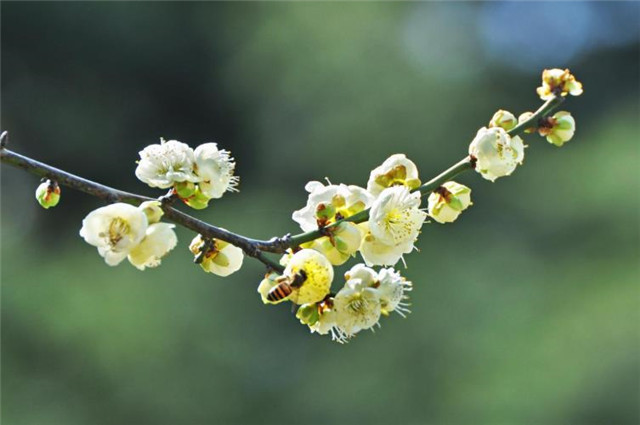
(252,247)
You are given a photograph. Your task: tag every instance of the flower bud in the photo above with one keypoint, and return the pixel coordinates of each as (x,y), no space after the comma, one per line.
(559,128)
(48,194)
(308,314)
(447,202)
(185,189)
(325,212)
(197,201)
(152,210)
(504,119)
(525,116)
(496,153)
(556,82)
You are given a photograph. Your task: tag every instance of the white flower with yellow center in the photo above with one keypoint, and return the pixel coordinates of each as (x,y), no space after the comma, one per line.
(162,165)
(392,289)
(215,168)
(357,307)
(216,256)
(395,217)
(316,273)
(448,201)
(377,253)
(395,170)
(115,230)
(160,238)
(496,153)
(328,204)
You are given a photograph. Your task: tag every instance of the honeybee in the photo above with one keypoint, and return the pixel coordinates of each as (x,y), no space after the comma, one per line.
(285,286)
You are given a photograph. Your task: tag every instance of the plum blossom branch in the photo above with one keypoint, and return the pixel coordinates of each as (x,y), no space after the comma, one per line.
(381,222)
(252,247)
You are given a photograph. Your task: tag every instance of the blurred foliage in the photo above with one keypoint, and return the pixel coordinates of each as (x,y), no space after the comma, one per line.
(525,310)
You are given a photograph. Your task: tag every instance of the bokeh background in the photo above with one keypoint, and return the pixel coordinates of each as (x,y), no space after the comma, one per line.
(525,311)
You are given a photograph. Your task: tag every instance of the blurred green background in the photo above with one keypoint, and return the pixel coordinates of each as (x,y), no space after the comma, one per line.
(526,311)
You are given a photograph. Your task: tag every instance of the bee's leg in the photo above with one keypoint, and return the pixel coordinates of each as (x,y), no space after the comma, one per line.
(299,279)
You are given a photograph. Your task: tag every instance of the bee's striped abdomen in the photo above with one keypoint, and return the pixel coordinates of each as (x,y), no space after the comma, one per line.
(279,292)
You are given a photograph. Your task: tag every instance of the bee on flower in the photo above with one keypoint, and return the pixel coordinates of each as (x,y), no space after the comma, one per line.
(306,279)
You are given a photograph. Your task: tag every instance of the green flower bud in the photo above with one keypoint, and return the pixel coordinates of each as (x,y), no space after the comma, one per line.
(447,202)
(559,128)
(197,201)
(325,212)
(308,314)
(504,119)
(48,194)
(185,189)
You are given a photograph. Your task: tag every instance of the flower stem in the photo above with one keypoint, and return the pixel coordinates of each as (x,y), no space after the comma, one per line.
(252,247)
(545,109)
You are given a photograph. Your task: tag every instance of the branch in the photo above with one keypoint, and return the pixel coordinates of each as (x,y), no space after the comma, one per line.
(463,165)
(252,247)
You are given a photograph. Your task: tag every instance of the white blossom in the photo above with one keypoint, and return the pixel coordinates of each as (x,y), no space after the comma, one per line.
(392,289)
(343,201)
(395,170)
(377,253)
(160,238)
(395,216)
(497,153)
(327,324)
(357,307)
(162,165)
(115,230)
(215,168)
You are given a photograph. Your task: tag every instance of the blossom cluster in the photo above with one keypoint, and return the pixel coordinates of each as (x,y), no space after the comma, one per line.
(395,219)
(196,176)
(122,231)
(380,222)
(365,297)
